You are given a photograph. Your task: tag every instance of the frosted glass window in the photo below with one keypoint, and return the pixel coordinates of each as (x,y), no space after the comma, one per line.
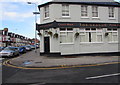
(93,39)
(82,38)
(62,39)
(87,37)
(99,38)
(69,37)
(115,38)
(110,37)
(66,36)
(91,35)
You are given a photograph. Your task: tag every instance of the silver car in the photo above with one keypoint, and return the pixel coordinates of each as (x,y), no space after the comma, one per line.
(9,52)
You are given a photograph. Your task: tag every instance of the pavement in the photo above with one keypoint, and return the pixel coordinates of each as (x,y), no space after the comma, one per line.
(32,59)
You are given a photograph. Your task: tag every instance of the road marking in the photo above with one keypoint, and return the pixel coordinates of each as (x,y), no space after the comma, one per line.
(95,77)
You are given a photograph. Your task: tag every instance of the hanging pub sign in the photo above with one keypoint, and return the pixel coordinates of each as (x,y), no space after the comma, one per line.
(77,25)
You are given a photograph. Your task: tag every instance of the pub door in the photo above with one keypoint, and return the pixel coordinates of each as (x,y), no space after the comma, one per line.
(46,44)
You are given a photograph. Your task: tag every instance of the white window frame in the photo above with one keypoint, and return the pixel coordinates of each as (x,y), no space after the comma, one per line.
(66,31)
(46,12)
(84,11)
(95,11)
(111,12)
(112,31)
(92,31)
(65,10)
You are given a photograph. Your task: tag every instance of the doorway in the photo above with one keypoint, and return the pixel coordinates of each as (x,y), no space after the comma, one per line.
(46,44)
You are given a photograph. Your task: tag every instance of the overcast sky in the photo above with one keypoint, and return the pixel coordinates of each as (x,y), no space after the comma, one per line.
(18,16)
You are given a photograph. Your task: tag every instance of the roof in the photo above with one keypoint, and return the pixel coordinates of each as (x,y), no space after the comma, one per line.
(83,1)
(87,2)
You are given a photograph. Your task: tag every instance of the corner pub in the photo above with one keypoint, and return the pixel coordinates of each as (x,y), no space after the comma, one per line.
(76,27)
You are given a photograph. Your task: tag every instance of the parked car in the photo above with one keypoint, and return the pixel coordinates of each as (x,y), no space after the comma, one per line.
(22,49)
(37,45)
(1,48)
(32,46)
(28,48)
(9,52)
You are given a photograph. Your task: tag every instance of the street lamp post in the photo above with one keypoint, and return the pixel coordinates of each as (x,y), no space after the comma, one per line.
(35,13)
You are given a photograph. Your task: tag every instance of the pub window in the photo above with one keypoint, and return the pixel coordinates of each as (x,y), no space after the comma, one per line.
(112,35)
(94,11)
(111,12)
(65,10)
(66,36)
(46,11)
(84,9)
(91,35)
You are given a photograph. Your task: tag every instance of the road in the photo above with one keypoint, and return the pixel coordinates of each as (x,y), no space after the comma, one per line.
(95,74)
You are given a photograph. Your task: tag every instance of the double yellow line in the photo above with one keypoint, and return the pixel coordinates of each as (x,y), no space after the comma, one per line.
(6,63)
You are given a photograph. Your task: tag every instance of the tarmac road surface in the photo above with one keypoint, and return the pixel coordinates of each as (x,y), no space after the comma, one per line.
(92,74)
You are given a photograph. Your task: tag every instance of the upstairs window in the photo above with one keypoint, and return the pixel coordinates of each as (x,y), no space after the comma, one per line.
(65,10)
(46,11)
(84,11)
(94,11)
(111,12)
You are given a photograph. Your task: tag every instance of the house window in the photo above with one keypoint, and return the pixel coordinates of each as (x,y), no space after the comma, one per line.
(91,35)
(65,10)
(111,12)
(84,11)
(94,11)
(66,35)
(46,11)
(112,35)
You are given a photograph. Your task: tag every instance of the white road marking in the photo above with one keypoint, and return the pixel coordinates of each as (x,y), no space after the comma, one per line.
(103,76)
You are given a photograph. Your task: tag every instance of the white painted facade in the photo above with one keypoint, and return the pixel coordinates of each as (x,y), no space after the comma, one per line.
(77,47)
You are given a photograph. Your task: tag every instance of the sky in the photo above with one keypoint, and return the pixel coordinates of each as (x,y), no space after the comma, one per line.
(17,16)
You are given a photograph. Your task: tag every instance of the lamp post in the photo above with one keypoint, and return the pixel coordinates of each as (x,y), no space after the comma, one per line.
(35,13)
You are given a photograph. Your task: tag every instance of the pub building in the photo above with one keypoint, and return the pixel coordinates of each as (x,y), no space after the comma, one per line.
(77,27)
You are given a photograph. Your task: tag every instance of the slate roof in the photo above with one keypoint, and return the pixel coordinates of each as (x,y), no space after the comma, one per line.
(83,1)
(87,2)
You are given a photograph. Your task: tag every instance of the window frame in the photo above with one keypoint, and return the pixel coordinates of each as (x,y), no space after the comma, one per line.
(46,12)
(84,11)
(92,31)
(95,11)
(112,31)
(111,12)
(66,31)
(65,10)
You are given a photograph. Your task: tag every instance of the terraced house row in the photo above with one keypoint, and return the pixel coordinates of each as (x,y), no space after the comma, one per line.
(12,39)
(71,27)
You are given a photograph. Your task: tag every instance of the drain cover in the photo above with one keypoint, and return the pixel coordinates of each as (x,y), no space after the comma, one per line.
(38,62)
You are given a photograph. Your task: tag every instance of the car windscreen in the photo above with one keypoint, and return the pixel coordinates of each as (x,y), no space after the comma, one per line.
(9,48)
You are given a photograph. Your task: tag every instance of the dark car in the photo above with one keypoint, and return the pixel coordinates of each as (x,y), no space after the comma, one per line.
(1,48)
(28,48)
(22,49)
